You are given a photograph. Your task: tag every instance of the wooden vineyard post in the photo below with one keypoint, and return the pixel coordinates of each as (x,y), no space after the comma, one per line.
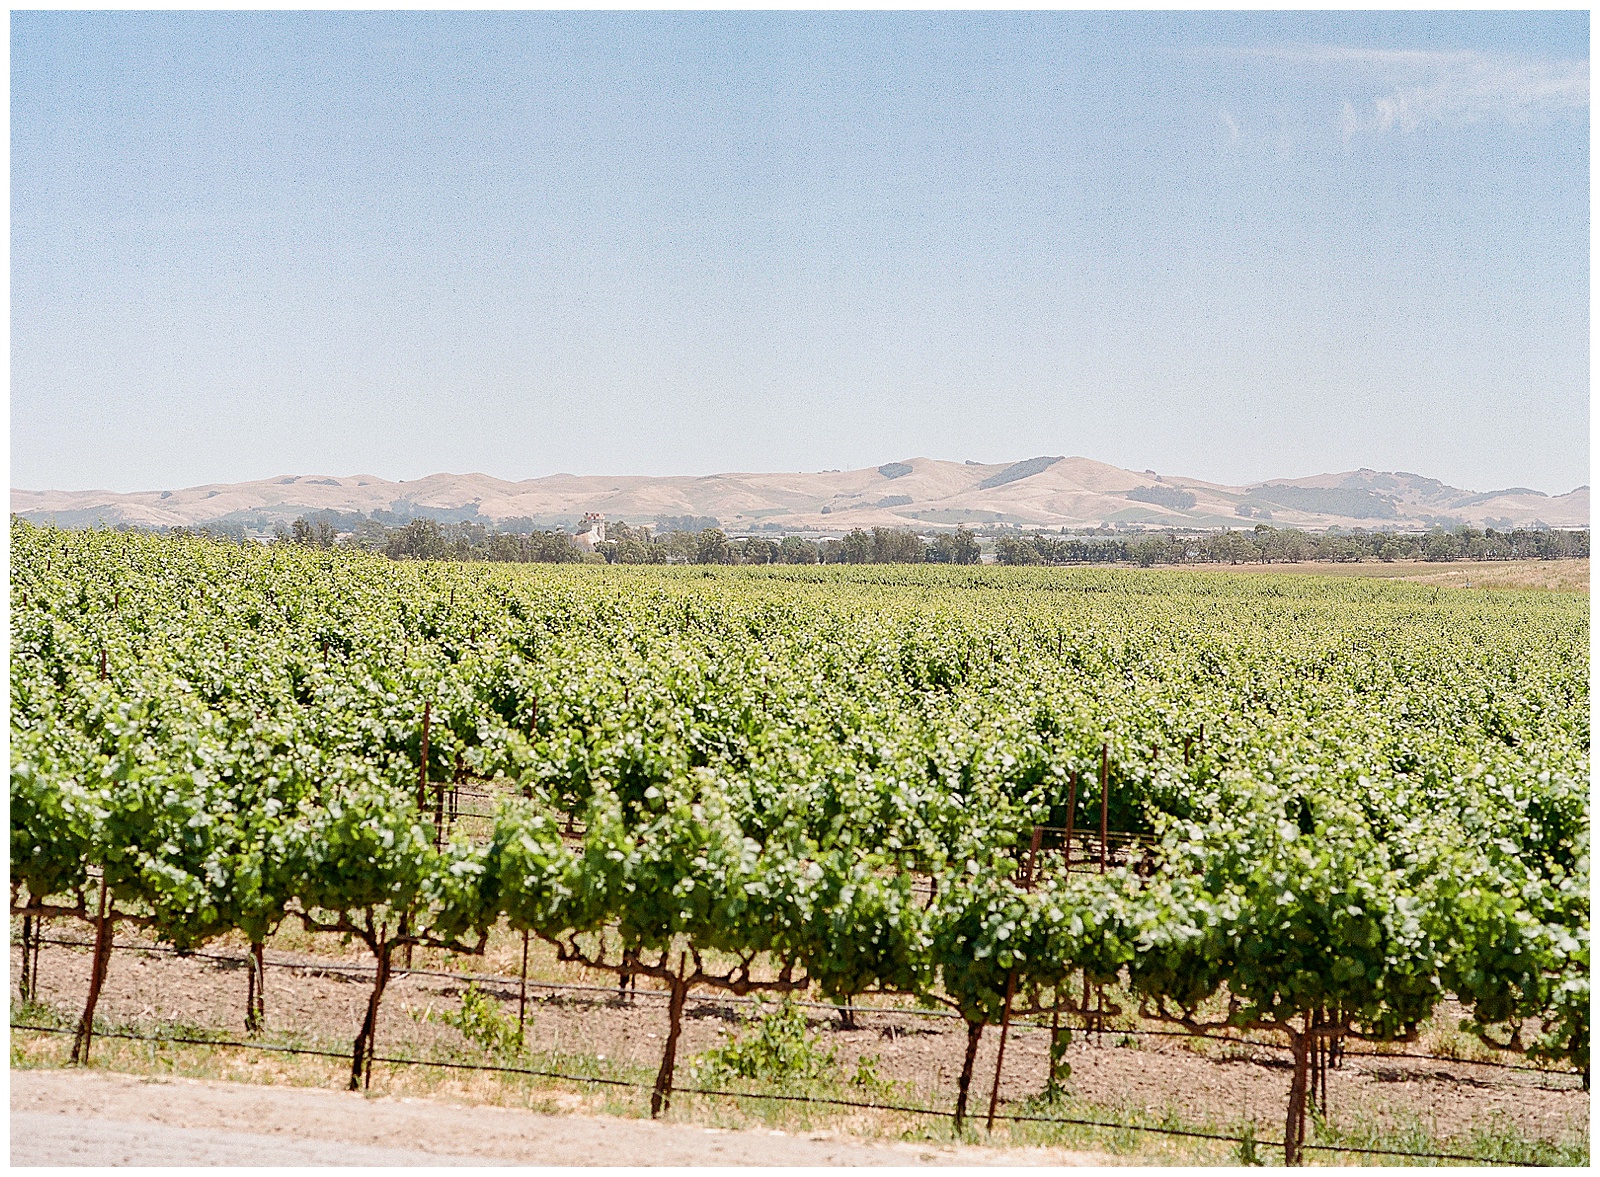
(422,803)
(24,990)
(32,934)
(522,990)
(1315,1062)
(38,940)
(1011,990)
(102,664)
(1105,814)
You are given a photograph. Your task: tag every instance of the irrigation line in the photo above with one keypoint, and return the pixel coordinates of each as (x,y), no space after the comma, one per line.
(728,998)
(810,1099)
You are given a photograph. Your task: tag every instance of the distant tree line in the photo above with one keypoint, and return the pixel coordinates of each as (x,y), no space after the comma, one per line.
(429,539)
(881,545)
(1272,545)
(513,542)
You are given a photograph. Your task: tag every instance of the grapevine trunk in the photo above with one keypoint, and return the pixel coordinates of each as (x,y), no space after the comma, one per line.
(1294,1130)
(661,1096)
(361,1057)
(256,998)
(101,961)
(974,1034)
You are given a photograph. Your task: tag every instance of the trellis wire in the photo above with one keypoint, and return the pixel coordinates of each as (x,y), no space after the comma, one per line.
(809,1099)
(728,998)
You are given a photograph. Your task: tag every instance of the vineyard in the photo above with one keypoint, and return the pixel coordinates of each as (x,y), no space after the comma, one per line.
(1310,811)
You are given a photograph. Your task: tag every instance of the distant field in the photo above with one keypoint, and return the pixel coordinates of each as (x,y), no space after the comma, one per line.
(1568,576)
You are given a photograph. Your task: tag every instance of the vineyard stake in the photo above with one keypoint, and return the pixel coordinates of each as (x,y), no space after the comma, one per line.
(522,990)
(1000,1055)
(38,941)
(26,990)
(438,814)
(102,664)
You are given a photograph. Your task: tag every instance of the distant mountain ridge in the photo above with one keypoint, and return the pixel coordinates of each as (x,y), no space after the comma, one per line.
(1046,491)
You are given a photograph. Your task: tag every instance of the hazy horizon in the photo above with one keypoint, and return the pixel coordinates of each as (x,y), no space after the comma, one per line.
(559,473)
(1226,246)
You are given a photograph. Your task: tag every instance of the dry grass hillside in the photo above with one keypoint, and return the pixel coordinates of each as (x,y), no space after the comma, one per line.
(919,492)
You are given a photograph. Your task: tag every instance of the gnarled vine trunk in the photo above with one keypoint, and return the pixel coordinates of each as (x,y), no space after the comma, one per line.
(1294,1129)
(361,1057)
(32,932)
(255,1012)
(101,961)
(974,1035)
(661,1095)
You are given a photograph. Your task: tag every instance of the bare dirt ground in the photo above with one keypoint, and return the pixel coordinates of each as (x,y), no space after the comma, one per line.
(77,1117)
(1223,1085)
(1571,576)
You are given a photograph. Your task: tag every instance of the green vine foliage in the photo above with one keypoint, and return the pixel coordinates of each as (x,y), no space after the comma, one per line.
(1360,797)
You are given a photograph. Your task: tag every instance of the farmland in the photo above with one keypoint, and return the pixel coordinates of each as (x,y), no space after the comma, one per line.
(1324,816)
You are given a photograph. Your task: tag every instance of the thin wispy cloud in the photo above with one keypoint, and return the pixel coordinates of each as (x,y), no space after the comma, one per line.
(1413,90)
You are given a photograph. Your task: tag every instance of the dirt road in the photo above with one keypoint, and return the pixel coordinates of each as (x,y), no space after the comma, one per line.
(99,1118)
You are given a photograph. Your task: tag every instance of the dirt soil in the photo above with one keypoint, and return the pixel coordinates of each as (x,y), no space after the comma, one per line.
(94,1118)
(1570,576)
(1198,1082)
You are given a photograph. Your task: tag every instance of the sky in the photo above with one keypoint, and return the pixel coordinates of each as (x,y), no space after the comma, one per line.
(1225,246)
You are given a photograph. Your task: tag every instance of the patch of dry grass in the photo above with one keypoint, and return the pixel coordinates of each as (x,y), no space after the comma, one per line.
(1566,576)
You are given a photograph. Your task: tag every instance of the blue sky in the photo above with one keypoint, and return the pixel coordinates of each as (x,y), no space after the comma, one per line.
(1231,246)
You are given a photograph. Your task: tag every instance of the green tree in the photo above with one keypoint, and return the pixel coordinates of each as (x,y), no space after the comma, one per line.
(856,548)
(757,551)
(955,547)
(712,547)
(896,546)
(795,550)
(421,539)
